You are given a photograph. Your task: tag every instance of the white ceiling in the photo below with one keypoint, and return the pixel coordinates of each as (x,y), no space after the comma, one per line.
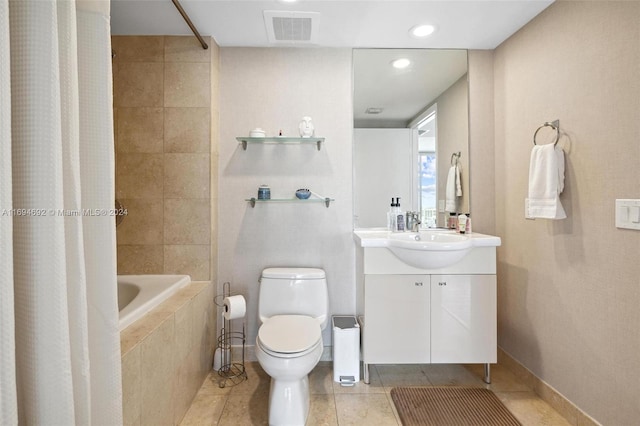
(472,24)
(403,93)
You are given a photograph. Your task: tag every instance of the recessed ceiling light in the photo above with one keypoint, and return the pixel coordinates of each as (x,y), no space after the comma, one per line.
(374,110)
(401,63)
(420,31)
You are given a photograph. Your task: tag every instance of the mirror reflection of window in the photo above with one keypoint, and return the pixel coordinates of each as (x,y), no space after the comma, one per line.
(401,149)
(427,185)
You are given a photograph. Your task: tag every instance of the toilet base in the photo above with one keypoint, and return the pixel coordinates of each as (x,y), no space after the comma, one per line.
(289,402)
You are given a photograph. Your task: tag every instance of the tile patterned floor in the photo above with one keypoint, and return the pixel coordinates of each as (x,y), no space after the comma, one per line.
(331,404)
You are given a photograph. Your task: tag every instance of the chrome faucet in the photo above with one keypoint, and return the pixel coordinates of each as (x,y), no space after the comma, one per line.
(413,221)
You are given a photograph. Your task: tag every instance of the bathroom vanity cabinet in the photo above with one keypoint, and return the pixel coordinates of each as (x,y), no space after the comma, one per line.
(415,316)
(417,319)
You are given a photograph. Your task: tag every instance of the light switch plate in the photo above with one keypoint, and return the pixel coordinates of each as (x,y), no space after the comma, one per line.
(441,206)
(628,214)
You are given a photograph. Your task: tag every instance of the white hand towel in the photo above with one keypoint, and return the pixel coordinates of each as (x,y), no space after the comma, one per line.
(458,181)
(546,182)
(450,190)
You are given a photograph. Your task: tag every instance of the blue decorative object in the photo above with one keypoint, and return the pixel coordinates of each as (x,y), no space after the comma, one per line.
(303,194)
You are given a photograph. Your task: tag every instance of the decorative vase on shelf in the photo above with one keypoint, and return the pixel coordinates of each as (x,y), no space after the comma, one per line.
(306,127)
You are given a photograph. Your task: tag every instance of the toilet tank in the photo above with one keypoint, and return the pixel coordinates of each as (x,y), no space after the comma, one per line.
(294,291)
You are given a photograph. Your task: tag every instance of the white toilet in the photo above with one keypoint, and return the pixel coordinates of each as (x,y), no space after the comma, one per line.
(293,307)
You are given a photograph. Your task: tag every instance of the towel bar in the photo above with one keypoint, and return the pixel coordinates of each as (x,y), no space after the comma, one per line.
(555,125)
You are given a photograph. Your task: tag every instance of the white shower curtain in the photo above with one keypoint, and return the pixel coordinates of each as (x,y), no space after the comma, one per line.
(59,339)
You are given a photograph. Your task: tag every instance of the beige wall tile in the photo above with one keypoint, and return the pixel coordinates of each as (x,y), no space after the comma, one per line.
(139,175)
(115,130)
(158,375)
(134,334)
(184,331)
(139,84)
(186,385)
(187,84)
(187,130)
(142,225)
(185,49)
(186,175)
(114,71)
(192,260)
(140,130)
(215,53)
(131,387)
(203,332)
(187,221)
(138,48)
(140,259)
(215,128)
(215,86)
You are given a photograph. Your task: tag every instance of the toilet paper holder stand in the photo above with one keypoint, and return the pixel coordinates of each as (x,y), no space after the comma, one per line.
(230,348)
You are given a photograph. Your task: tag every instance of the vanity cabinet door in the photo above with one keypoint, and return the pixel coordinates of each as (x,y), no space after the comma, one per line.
(396,319)
(463,319)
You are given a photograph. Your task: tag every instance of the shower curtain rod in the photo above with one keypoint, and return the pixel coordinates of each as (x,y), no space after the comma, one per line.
(190,24)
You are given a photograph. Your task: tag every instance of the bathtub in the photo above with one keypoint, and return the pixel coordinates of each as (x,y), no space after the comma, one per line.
(139,294)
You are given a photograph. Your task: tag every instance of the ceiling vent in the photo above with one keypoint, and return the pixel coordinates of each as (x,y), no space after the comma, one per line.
(285,27)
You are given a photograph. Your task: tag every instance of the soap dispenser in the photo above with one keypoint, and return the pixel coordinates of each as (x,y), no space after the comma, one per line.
(399,217)
(391,216)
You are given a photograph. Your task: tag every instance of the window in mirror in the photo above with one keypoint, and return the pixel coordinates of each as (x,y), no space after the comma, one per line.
(427,187)
(403,149)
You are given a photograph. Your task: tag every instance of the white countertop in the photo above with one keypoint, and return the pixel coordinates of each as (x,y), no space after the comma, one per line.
(378,237)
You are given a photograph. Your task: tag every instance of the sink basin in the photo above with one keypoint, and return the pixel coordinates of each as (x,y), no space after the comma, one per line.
(429,250)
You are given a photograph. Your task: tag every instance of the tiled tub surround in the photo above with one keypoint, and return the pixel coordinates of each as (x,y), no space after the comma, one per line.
(166,355)
(166,127)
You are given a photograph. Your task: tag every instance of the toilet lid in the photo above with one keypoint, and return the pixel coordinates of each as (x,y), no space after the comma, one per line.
(289,333)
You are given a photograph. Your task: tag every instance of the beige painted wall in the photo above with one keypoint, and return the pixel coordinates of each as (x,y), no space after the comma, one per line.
(166,109)
(569,290)
(453,136)
(482,142)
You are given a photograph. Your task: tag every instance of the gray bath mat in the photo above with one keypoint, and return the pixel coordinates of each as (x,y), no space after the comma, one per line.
(449,406)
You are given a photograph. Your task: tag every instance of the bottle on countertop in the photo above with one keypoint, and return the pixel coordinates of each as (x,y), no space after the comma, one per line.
(462,223)
(468,227)
(391,216)
(399,217)
(453,221)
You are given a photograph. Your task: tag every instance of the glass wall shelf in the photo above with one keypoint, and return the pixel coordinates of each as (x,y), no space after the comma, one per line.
(244,140)
(326,201)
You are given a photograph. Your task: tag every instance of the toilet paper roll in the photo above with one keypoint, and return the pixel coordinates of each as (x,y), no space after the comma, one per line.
(234,307)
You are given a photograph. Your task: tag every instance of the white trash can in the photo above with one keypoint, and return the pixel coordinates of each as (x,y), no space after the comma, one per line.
(346,350)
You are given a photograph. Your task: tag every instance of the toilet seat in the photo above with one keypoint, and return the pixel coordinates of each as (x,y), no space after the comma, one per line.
(287,336)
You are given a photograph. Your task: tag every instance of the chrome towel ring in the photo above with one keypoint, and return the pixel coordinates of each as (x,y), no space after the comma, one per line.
(455,157)
(555,125)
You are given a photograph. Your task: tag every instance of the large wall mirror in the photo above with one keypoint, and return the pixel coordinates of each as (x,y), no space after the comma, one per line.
(411,124)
